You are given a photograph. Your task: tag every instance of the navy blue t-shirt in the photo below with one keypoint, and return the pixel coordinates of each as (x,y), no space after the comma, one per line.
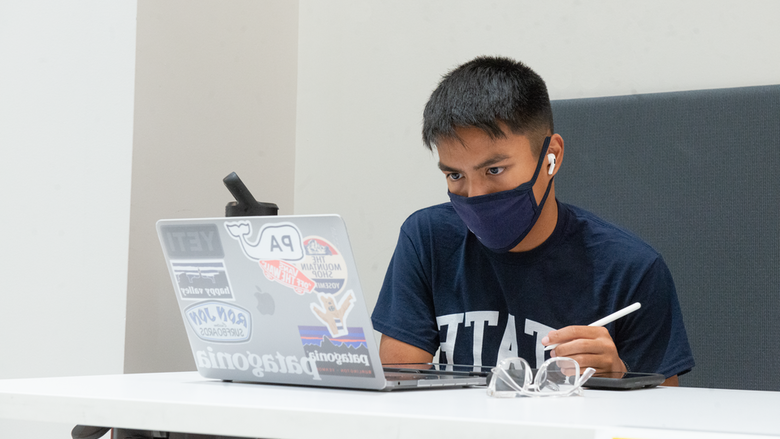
(445,290)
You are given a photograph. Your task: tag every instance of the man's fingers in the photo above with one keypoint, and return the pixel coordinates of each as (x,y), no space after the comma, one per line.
(597,362)
(581,346)
(570,333)
(588,345)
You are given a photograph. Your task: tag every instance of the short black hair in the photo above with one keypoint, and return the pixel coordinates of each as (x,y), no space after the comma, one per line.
(486,93)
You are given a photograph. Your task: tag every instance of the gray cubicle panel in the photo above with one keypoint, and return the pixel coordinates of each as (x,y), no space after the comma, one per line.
(697,175)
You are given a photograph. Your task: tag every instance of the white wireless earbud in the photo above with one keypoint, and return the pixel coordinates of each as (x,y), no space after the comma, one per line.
(551,161)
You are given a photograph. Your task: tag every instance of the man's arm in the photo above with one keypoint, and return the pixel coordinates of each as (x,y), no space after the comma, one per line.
(394,351)
(672,381)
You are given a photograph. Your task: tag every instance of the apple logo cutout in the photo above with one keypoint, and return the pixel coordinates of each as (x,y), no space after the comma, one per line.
(265,302)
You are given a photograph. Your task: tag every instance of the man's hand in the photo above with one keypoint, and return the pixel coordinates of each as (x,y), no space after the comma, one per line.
(394,351)
(590,346)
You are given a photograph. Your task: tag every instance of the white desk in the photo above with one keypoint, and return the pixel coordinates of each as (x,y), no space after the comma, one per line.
(185,402)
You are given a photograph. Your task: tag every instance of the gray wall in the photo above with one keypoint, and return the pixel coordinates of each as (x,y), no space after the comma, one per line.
(695,175)
(215,93)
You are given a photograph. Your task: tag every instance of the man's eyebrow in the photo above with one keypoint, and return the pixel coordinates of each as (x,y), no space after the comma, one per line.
(491,161)
(487,163)
(445,168)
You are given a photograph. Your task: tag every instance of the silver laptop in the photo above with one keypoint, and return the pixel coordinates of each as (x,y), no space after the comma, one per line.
(276,299)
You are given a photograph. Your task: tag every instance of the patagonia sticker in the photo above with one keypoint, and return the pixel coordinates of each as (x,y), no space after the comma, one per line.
(202,280)
(346,355)
(219,321)
(261,365)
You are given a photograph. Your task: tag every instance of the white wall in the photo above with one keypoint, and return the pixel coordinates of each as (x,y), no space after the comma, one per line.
(66,118)
(215,93)
(367,67)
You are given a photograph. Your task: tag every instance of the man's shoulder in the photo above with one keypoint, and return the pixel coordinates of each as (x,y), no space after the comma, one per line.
(434,218)
(434,229)
(600,234)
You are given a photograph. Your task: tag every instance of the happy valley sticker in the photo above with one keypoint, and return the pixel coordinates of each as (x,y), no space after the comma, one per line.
(202,280)
(346,355)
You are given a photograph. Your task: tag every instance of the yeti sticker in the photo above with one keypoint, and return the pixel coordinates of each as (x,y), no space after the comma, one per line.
(324,265)
(191,241)
(332,314)
(281,241)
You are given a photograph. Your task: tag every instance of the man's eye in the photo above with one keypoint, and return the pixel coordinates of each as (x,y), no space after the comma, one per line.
(453,176)
(495,171)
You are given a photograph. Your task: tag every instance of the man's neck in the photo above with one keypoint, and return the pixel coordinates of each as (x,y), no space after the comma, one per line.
(543,228)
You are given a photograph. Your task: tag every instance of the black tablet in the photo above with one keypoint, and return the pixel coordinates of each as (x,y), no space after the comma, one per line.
(438,369)
(624,380)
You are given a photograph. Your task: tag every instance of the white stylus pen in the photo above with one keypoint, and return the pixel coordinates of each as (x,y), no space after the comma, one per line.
(608,319)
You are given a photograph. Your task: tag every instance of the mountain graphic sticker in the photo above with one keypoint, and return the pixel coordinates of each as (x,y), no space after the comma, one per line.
(324,265)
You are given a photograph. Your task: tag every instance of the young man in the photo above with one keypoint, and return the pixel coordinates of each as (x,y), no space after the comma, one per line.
(505,269)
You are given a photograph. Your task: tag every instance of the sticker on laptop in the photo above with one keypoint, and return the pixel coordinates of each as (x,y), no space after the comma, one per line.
(333,312)
(191,241)
(276,241)
(346,355)
(219,322)
(202,280)
(260,365)
(288,275)
(324,265)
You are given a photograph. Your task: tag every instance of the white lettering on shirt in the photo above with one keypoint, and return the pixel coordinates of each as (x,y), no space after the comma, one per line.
(508,346)
(531,328)
(479,318)
(447,347)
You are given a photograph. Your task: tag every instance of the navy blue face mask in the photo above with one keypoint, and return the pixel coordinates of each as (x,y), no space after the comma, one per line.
(501,220)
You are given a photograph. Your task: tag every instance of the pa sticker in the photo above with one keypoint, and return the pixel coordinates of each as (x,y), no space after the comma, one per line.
(275,241)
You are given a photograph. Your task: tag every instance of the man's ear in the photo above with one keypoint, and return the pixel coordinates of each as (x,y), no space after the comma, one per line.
(556,149)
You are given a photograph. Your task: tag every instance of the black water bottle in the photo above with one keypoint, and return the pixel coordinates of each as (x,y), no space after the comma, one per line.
(245,204)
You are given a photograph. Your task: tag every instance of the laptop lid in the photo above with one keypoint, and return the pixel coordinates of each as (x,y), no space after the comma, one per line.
(272,299)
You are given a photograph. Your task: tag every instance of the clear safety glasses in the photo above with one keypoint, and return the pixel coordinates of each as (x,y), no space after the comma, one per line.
(558,376)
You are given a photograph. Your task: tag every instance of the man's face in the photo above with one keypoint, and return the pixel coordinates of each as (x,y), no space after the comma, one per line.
(482,165)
